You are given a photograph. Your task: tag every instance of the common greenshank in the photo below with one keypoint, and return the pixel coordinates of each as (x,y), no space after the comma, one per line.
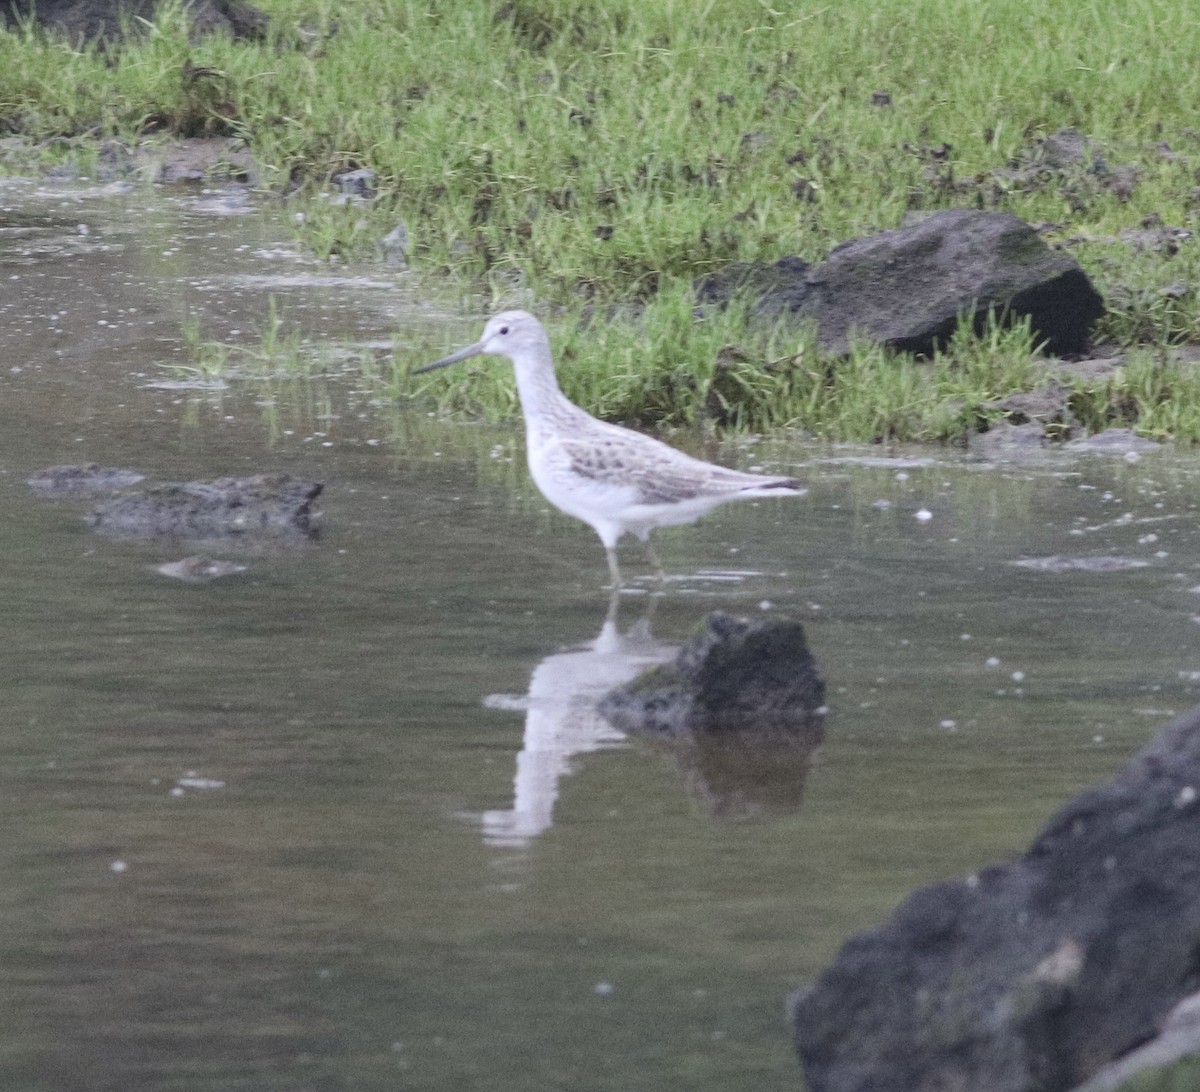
(613,479)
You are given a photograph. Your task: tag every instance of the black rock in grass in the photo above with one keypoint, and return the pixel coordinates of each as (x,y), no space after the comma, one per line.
(908,288)
(107,20)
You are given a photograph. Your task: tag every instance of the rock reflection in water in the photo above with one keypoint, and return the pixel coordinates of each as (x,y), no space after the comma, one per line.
(561,721)
(82,480)
(742,707)
(750,773)
(1067,563)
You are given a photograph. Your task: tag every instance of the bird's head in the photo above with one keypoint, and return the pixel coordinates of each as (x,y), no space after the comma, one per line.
(510,333)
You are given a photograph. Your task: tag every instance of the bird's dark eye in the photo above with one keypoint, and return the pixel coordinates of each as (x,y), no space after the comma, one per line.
(503,329)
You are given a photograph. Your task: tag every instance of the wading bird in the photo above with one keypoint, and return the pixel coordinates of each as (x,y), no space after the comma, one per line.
(612,478)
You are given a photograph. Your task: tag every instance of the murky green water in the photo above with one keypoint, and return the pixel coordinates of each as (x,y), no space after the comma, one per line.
(344,821)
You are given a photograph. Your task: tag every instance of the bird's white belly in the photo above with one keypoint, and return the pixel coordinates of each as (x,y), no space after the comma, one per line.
(592,500)
(611,507)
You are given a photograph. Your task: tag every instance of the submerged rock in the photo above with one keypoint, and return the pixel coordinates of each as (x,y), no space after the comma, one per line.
(75,480)
(908,288)
(1036,973)
(265,506)
(732,675)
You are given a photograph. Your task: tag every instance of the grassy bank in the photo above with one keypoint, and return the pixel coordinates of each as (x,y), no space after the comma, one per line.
(574,154)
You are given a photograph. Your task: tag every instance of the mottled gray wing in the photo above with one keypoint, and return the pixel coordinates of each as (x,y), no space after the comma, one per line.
(660,474)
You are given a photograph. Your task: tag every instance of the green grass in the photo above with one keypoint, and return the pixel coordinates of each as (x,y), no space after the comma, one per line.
(1179,1076)
(671,368)
(575,154)
(278,352)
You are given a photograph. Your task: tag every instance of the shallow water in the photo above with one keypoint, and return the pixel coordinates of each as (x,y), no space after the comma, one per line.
(346,820)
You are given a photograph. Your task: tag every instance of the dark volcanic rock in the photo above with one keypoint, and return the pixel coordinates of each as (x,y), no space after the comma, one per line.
(75,480)
(732,675)
(907,288)
(89,20)
(1032,975)
(265,506)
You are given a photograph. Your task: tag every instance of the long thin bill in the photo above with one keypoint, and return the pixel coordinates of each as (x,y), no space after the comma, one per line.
(453,358)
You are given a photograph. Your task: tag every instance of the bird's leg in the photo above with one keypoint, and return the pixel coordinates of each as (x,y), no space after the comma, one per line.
(659,572)
(614,607)
(614,570)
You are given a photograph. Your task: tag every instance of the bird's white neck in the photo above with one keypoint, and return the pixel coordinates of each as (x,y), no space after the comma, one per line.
(542,400)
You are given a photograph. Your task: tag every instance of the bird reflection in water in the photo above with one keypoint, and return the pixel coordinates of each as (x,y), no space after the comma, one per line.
(561,720)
